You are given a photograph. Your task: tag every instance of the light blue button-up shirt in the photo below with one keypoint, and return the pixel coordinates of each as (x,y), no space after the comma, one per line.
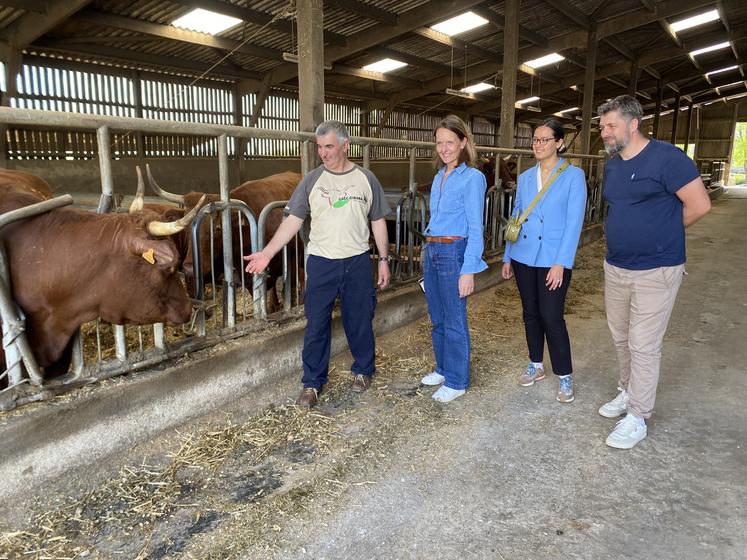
(456,209)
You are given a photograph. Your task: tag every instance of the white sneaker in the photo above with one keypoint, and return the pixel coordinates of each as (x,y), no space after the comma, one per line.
(617,406)
(446,394)
(627,433)
(433,378)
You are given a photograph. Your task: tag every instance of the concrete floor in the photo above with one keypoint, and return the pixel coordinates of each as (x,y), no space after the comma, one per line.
(520,476)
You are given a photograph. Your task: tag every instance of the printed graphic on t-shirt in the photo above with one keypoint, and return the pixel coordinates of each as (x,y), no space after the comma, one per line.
(337,196)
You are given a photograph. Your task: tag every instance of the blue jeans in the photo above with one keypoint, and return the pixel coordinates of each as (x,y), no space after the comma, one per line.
(352,280)
(448,311)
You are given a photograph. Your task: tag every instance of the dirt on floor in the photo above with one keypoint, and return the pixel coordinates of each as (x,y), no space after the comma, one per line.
(232,489)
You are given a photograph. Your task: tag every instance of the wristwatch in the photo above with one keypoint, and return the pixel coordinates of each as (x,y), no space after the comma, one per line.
(388,258)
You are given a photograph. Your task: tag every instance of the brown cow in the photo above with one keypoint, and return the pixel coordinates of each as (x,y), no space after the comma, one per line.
(256,194)
(27,182)
(69,266)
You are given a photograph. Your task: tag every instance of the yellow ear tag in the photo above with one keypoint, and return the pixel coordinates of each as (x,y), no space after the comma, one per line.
(148,256)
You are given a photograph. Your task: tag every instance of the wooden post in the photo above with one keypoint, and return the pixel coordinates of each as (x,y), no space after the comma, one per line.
(675,118)
(635,72)
(12,60)
(588,109)
(688,126)
(510,66)
(310,19)
(657,111)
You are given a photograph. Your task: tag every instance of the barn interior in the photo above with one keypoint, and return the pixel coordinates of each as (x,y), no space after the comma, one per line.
(196,451)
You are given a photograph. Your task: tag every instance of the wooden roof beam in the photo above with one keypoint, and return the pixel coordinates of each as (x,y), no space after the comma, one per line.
(31,26)
(175,34)
(366,10)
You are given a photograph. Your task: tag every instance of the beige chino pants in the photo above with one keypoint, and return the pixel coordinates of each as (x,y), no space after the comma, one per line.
(639,304)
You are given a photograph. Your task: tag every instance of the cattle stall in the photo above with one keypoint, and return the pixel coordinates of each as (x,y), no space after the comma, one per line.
(216,302)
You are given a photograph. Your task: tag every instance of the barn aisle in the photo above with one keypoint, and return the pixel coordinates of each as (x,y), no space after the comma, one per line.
(512,474)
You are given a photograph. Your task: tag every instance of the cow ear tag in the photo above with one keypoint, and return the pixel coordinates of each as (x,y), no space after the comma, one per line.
(148,256)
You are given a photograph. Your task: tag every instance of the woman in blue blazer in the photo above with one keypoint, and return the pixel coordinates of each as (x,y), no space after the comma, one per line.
(542,257)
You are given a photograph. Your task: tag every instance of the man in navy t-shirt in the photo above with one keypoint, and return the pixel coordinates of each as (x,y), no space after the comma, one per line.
(654,192)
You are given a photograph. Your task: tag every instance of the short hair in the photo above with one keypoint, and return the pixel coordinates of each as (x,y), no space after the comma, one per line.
(336,127)
(627,106)
(456,125)
(558,132)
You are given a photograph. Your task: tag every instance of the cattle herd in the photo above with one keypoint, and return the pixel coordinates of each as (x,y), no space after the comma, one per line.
(69,266)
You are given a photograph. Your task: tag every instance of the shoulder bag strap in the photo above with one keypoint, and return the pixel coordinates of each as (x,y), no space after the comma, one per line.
(545,188)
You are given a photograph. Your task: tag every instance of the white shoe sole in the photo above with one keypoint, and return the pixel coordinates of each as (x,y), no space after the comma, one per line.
(610,414)
(573,398)
(627,445)
(432,384)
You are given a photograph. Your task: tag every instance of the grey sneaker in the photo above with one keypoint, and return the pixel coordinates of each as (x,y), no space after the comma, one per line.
(433,379)
(617,406)
(565,390)
(532,374)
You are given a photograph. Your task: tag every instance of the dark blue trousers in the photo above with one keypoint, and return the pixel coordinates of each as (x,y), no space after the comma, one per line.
(352,280)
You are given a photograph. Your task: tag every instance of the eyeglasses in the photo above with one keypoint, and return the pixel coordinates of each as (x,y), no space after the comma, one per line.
(542,141)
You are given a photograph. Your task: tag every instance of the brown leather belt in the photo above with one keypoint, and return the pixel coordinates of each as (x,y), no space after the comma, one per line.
(443,239)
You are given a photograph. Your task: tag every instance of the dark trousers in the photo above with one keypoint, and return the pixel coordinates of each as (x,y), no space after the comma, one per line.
(543,316)
(352,280)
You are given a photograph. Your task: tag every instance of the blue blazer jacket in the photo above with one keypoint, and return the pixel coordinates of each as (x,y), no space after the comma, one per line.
(550,234)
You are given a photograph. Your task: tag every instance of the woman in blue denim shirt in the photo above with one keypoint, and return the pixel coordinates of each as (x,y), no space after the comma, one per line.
(453,254)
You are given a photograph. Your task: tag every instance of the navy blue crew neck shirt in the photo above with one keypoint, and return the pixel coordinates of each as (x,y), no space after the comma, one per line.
(644,226)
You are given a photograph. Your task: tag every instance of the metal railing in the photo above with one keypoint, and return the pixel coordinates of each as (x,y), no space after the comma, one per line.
(163,343)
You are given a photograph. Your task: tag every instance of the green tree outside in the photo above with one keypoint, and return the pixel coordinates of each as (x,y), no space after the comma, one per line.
(739,155)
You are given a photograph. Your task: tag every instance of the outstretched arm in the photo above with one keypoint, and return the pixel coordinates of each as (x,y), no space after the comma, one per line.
(289,227)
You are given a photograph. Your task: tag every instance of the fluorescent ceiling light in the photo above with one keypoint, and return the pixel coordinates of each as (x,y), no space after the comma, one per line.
(568,110)
(527,100)
(460,24)
(384,65)
(477,88)
(545,60)
(727,69)
(727,86)
(711,48)
(694,21)
(205,21)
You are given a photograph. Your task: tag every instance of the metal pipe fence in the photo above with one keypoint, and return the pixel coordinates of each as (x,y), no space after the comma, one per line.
(136,347)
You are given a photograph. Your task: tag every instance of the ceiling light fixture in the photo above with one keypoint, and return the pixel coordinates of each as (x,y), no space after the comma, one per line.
(694,21)
(544,60)
(709,49)
(384,65)
(477,88)
(720,70)
(205,21)
(459,24)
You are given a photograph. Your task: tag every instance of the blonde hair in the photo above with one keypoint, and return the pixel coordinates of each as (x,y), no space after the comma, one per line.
(456,125)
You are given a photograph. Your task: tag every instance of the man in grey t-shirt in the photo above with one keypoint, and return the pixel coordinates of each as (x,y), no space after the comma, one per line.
(342,198)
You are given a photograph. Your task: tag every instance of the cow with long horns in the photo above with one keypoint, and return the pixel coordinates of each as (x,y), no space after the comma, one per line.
(70,266)
(256,194)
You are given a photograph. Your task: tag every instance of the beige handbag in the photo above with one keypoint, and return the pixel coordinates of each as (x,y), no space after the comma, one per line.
(513,227)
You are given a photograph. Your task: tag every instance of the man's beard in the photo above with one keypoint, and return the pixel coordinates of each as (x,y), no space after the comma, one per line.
(616,148)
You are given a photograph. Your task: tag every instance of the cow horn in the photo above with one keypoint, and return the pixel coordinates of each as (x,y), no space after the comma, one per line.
(164,229)
(171,197)
(137,202)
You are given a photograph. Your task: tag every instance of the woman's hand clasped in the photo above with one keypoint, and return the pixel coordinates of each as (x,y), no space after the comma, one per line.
(554,278)
(507,272)
(466,285)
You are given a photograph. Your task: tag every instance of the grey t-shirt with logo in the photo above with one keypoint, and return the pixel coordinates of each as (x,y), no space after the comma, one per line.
(341,205)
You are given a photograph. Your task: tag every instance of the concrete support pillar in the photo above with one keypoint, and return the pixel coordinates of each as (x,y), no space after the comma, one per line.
(12,60)
(365,118)
(657,110)
(588,104)
(309,16)
(688,126)
(510,67)
(675,118)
